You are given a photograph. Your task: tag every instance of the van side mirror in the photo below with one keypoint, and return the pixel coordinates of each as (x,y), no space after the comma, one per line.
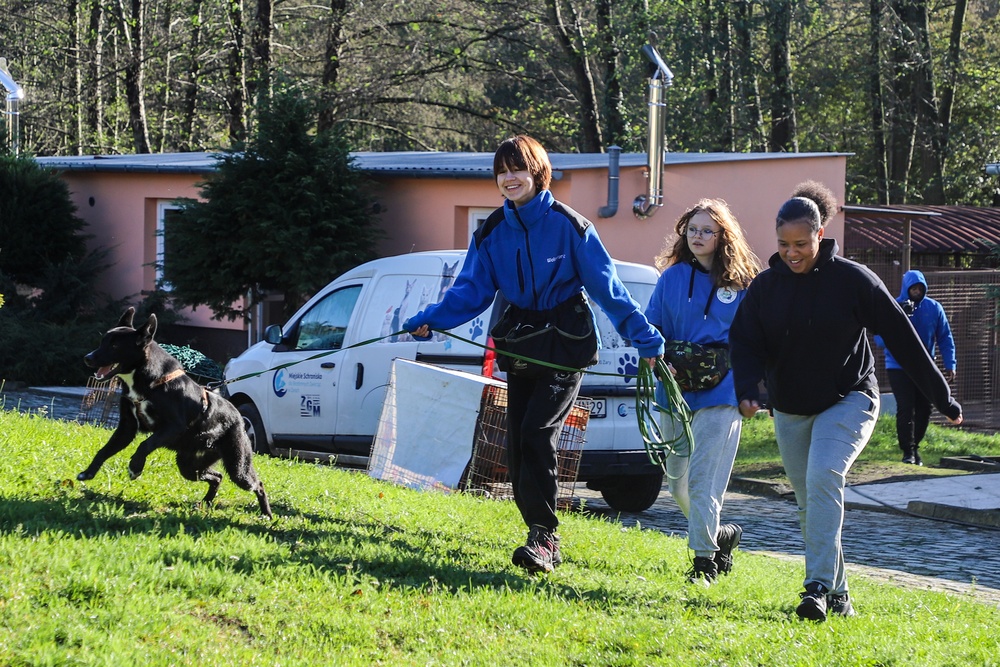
(272,334)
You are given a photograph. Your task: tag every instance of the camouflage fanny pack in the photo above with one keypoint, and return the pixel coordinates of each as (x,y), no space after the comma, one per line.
(698,367)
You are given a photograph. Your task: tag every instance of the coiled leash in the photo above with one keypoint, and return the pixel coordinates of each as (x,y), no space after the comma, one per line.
(657,447)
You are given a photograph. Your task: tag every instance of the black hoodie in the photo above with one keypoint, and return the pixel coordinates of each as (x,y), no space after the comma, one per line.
(805,336)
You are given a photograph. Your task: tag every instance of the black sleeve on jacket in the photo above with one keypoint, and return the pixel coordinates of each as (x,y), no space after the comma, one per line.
(747,346)
(892,324)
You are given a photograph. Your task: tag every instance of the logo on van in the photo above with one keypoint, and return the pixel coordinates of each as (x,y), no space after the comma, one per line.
(278,383)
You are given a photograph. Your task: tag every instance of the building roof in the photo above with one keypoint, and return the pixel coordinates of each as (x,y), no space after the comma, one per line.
(934,229)
(400,163)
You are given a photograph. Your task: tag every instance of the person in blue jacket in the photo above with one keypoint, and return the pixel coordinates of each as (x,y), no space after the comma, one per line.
(913,409)
(540,254)
(706,271)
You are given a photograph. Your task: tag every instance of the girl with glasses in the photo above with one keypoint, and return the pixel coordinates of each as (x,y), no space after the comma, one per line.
(706,270)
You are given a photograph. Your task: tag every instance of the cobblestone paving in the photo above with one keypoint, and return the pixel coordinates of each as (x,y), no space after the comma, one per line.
(908,550)
(903,549)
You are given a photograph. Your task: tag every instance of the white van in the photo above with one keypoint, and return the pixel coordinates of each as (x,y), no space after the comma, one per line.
(328,407)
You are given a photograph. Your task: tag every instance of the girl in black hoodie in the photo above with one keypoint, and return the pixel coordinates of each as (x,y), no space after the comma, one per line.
(802,329)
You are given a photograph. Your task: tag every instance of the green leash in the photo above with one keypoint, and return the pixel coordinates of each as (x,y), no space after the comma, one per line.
(658,448)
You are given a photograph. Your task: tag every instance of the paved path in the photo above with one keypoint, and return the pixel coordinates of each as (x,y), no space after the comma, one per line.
(908,550)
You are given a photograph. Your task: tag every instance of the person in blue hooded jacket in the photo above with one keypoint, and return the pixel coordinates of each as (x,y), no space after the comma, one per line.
(540,255)
(913,408)
(706,271)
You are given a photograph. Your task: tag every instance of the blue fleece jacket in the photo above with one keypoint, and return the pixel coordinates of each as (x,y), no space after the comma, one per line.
(930,322)
(698,312)
(539,255)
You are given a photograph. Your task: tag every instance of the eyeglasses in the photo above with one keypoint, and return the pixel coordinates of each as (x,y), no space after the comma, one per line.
(705,232)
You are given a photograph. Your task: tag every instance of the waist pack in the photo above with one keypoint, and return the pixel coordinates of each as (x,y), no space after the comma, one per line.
(698,367)
(564,336)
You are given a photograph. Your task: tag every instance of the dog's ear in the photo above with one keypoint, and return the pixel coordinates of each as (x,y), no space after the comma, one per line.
(148,330)
(126,320)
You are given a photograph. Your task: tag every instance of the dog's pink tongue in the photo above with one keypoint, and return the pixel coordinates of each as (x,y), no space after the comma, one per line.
(102,372)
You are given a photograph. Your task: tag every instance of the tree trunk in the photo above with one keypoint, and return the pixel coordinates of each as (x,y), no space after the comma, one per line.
(570,37)
(131,27)
(614,100)
(727,78)
(236,95)
(928,114)
(331,64)
(751,116)
(952,66)
(193,83)
(879,160)
(260,39)
(94,91)
(903,109)
(76,20)
(779,26)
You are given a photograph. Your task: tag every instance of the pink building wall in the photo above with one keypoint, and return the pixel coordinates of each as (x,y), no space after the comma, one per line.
(419,210)
(120,209)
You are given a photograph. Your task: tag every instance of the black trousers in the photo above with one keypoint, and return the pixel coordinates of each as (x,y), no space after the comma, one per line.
(537,407)
(913,410)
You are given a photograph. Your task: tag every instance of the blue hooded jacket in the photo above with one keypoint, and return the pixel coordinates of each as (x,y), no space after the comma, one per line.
(930,322)
(539,255)
(686,305)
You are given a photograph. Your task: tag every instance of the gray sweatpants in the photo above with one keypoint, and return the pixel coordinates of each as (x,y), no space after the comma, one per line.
(697,476)
(817,451)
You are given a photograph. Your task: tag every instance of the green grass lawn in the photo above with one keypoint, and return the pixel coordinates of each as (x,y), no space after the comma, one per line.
(354,571)
(758,454)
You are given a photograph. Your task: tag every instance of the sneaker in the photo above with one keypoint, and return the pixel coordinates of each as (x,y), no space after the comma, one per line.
(908,457)
(840,605)
(541,553)
(728,539)
(703,571)
(916,457)
(813,604)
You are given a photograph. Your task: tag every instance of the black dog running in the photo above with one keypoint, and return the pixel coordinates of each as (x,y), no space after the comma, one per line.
(178,413)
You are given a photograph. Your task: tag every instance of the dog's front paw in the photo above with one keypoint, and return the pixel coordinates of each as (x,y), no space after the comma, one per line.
(85,475)
(134,473)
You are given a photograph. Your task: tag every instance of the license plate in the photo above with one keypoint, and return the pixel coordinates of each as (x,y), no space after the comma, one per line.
(598,407)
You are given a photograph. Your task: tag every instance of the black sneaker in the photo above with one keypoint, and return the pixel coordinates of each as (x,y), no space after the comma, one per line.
(813,605)
(703,571)
(541,553)
(727,539)
(912,456)
(840,605)
(916,457)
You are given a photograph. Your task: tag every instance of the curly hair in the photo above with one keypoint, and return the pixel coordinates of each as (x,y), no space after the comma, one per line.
(735,264)
(811,202)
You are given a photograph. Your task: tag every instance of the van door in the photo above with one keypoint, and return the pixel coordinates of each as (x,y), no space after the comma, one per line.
(303,401)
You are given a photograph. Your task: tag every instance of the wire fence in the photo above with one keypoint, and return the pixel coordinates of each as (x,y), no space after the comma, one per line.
(970,300)
(487,472)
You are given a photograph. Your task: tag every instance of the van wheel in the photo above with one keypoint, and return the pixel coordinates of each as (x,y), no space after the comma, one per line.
(632,493)
(255,428)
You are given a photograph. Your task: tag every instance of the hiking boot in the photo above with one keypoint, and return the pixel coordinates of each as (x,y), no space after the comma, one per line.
(813,604)
(728,539)
(840,605)
(703,571)
(541,553)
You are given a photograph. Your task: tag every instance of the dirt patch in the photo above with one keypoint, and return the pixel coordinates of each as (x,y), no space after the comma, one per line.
(863,472)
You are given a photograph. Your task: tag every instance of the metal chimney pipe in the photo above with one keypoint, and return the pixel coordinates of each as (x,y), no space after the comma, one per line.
(14,95)
(614,152)
(661,78)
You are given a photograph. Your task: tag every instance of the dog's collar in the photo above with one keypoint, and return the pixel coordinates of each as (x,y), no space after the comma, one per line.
(172,375)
